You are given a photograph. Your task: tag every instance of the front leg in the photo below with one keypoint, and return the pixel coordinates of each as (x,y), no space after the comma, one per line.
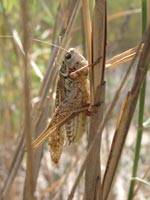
(93,108)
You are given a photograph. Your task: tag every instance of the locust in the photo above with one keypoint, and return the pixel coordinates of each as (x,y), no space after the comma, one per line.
(69,119)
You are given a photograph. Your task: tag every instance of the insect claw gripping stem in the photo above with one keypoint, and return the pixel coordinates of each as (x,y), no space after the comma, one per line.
(93,108)
(96,62)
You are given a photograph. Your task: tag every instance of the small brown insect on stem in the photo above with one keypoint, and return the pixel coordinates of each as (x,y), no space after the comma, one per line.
(72,104)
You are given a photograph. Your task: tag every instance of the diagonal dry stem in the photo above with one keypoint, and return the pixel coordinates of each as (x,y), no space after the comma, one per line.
(123,57)
(102,125)
(125,118)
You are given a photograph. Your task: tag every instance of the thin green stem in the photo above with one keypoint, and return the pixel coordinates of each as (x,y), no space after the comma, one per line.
(141,112)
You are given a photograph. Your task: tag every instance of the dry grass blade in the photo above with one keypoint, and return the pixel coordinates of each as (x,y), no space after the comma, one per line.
(119,59)
(46,133)
(122,58)
(125,118)
(27,100)
(52,187)
(92,174)
(13,168)
(141,181)
(122,14)
(32,63)
(87,27)
(140,184)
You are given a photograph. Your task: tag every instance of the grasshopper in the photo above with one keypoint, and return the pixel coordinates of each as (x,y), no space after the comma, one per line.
(72,99)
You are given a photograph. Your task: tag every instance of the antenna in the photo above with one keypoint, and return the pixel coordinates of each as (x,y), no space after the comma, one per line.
(37,40)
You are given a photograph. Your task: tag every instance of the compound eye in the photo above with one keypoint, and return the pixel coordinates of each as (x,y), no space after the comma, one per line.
(68,56)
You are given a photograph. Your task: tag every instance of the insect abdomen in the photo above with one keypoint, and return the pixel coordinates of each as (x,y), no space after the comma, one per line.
(75,128)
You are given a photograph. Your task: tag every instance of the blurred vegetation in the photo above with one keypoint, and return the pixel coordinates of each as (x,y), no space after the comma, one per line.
(124,32)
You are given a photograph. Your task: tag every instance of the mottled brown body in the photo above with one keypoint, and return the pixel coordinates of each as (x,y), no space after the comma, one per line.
(69,119)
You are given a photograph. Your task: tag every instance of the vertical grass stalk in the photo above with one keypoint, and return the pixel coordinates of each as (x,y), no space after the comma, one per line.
(141,112)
